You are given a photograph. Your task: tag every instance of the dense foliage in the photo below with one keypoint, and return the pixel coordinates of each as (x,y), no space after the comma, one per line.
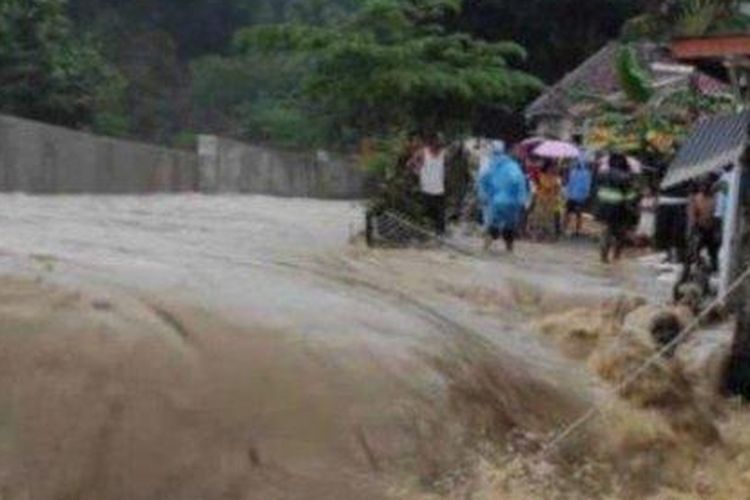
(47,72)
(647,122)
(650,122)
(393,66)
(164,70)
(668,18)
(558,34)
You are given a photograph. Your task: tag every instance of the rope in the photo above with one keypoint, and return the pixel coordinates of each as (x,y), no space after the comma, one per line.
(596,409)
(429,234)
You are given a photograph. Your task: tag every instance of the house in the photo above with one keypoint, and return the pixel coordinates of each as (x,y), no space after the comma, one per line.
(728,56)
(565,107)
(715,143)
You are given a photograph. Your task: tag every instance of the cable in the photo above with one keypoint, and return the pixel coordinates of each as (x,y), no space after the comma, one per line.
(571,429)
(636,374)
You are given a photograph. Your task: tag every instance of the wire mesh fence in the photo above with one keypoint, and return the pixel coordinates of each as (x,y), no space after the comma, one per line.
(390,228)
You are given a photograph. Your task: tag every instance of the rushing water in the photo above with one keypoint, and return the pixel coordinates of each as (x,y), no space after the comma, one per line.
(244,347)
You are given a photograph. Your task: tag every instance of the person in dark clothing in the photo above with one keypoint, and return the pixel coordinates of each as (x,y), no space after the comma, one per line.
(672,223)
(434,207)
(704,228)
(616,199)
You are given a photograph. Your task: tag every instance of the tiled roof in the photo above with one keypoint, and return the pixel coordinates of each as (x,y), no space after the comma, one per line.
(597,76)
(708,85)
(713,143)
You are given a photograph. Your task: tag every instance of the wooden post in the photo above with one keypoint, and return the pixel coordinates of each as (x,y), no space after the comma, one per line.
(737,380)
(734,77)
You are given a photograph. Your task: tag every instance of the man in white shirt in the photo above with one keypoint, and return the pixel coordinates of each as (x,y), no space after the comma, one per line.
(430,162)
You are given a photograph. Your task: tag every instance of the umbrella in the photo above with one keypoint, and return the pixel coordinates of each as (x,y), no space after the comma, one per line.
(523,149)
(558,150)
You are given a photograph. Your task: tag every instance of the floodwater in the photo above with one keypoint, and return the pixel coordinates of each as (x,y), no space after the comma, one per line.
(250,348)
(287,263)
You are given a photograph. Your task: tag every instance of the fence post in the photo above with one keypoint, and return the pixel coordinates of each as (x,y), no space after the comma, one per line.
(208,163)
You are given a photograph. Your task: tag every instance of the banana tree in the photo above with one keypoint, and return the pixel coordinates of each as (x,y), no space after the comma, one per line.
(648,122)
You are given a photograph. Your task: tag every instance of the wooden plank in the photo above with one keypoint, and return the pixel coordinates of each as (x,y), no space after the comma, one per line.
(711,47)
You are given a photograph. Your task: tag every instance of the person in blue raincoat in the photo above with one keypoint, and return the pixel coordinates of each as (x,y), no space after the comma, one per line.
(577,193)
(503,194)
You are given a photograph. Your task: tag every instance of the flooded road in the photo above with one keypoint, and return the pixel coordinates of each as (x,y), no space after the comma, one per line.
(246,347)
(284,261)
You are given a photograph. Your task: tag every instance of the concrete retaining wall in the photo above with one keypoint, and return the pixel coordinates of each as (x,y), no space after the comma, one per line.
(40,158)
(231,166)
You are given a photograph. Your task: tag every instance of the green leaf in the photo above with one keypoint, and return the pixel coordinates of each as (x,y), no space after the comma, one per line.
(634,80)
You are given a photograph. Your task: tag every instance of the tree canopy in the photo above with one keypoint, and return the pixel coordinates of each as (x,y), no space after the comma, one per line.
(163,70)
(47,72)
(558,34)
(668,18)
(394,65)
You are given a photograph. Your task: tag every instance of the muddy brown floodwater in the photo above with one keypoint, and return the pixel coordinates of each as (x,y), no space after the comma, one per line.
(192,347)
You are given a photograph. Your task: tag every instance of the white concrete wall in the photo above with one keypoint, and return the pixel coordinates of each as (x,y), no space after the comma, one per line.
(231,166)
(40,158)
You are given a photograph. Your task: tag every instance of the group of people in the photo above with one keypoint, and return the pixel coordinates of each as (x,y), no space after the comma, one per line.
(691,219)
(514,194)
(519,194)
(546,199)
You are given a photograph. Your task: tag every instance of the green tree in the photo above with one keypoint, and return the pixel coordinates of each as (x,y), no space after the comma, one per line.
(634,80)
(167,49)
(393,66)
(46,72)
(664,19)
(649,122)
(256,97)
(558,34)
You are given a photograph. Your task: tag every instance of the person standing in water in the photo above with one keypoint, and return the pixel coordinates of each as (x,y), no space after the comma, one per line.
(577,192)
(430,164)
(543,220)
(704,226)
(502,191)
(615,198)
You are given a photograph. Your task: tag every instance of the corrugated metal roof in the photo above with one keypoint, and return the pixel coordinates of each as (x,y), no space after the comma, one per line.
(713,143)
